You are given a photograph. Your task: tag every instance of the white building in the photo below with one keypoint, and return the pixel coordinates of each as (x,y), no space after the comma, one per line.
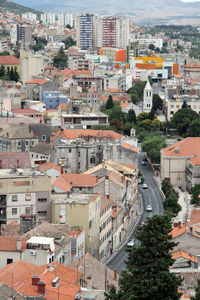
(158,43)
(30,16)
(147,97)
(30,65)
(65,18)
(48,17)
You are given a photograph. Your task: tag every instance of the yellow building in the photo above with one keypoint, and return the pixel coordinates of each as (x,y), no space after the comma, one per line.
(82,210)
(10,61)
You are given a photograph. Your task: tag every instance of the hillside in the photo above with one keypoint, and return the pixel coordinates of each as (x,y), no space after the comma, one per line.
(6,5)
(143,11)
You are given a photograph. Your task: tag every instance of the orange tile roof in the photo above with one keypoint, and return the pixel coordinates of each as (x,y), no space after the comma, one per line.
(18,275)
(186,147)
(127,146)
(195,217)
(72,134)
(176,231)
(113,91)
(9,243)
(192,65)
(105,202)
(186,255)
(70,72)
(124,104)
(37,81)
(26,111)
(131,166)
(9,60)
(66,181)
(48,165)
(195,161)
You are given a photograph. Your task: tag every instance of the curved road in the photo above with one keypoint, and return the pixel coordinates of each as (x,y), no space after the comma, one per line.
(152,196)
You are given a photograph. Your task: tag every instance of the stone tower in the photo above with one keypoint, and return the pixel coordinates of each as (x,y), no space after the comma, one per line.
(147,97)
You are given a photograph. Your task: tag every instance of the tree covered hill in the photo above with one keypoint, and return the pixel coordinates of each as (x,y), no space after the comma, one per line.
(9,6)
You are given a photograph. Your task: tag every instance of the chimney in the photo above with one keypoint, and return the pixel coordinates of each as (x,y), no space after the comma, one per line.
(179,225)
(35,280)
(7,134)
(55,282)
(62,169)
(89,283)
(19,244)
(41,287)
(107,197)
(115,274)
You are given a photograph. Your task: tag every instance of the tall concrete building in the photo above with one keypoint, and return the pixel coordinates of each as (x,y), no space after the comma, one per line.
(24,33)
(48,17)
(65,19)
(30,65)
(94,31)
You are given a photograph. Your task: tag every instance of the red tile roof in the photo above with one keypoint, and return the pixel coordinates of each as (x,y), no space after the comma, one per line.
(37,81)
(9,243)
(48,165)
(70,73)
(195,217)
(129,147)
(66,181)
(176,231)
(26,111)
(18,275)
(17,159)
(195,161)
(9,60)
(186,147)
(63,106)
(73,134)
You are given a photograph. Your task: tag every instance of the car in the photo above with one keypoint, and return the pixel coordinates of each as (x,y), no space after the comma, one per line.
(144,163)
(131,243)
(145,186)
(149,207)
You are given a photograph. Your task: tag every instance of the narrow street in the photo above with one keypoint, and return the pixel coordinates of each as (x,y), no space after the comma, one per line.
(151,196)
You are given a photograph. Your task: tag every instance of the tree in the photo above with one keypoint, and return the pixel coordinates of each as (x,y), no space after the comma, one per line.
(152,115)
(194,128)
(197,292)
(4,53)
(2,71)
(157,102)
(134,98)
(195,192)
(148,276)
(109,103)
(142,116)
(151,47)
(171,205)
(60,60)
(152,145)
(184,105)
(182,119)
(131,116)
(69,42)
(12,76)
(157,50)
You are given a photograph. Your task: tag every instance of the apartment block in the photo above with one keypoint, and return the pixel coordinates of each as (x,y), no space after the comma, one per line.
(23,192)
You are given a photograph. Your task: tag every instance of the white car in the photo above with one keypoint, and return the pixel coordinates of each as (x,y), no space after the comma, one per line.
(149,208)
(144,186)
(131,243)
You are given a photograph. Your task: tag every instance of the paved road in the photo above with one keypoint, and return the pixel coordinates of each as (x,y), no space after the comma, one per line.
(151,196)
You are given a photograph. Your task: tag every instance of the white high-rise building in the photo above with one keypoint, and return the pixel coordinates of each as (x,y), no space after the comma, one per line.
(29,16)
(48,17)
(13,34)
(94,31)
(65,19)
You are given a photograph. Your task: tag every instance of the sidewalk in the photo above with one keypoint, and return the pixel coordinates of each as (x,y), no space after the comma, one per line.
(184,200)
(129,231)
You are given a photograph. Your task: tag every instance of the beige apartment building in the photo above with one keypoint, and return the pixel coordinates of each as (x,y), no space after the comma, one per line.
(79,210)
(23,192)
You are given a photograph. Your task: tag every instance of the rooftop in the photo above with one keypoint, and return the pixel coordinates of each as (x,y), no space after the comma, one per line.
(9,60)
(37,81)
(9,243)
(187,147)
(74,198)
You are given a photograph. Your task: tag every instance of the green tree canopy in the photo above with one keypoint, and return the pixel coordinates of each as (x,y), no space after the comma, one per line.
(109,102)
(69,42)
(135,98)
(197,292)
(194,128)
(195,192)
(131,116)
(182,119)
(147,275)
(151,46)
(60,60)
(152,145)
(157,102)
(171,205)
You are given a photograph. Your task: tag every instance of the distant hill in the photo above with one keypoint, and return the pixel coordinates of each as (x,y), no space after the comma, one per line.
(6,5)
(143,11)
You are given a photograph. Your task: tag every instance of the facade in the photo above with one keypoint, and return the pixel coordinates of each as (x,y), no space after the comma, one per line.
(193,171)
(85,31)
(79,150)
(48,17)
(52,99)
(80,210)
(30,65)
(40,154)
(9,62)
(23,192)
(173,160)
(24,33)
(158,43)
(65,19)
(192,70)
(17,138)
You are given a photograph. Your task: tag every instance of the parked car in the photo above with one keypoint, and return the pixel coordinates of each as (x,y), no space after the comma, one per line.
(149,207)
(145,186)
(144,163)
(131,243)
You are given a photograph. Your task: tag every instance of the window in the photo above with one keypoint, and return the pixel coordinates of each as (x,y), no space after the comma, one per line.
(177,106)
(27,143)
(9,261)
(90,224)
(70,150)
(42,199)
(32,155)
(27,210)
(32,143)
(14,211)
(19,143)
(28,197)
(43,137)
(14,198)
(42,212)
